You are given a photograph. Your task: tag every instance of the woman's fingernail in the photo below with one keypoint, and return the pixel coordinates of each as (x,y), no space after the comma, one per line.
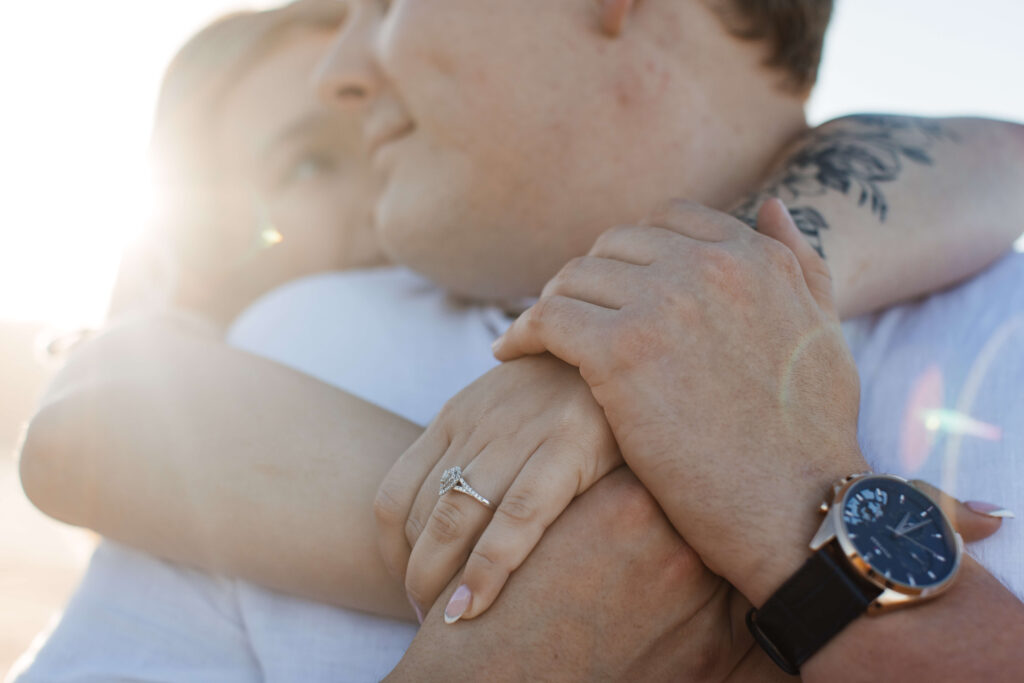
(416,608)
(458,605)
(989,510)
(497,343)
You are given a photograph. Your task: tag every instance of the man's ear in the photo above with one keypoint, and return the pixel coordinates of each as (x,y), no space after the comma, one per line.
(613,15)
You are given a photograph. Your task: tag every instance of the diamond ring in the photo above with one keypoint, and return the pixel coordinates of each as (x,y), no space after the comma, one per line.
(452,480)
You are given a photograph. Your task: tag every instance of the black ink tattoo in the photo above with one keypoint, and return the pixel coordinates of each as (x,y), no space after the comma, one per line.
(855,159)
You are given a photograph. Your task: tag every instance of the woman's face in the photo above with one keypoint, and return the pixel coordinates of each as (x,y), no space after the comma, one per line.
(304,185)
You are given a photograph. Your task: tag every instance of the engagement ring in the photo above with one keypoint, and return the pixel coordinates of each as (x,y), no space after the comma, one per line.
(452,480)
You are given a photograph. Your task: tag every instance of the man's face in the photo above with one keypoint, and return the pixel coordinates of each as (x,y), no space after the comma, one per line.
(512,132)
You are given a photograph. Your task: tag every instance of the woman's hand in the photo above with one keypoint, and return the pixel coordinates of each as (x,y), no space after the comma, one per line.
(529,437)
(611,593)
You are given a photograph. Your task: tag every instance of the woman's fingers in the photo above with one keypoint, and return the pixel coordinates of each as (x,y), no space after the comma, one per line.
(971,524)
(453,526)
(546,486)
(397,494)
(452,523)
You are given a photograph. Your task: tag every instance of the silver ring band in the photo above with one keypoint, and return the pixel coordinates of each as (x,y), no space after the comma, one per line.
(452,480)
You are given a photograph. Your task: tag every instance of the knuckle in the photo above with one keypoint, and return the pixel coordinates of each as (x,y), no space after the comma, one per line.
(413,530)
(573,267)
(518,508)
(447,415)
(489,560)
(608,238)
(635,341)
(723,271)
(782,257)
(416,591)
(386,508)
(672,211)
(720,263)
(539,314)
(565,277)
(677,303)
(446,522)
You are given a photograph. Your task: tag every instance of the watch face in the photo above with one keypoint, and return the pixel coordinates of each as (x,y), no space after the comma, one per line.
(899,532)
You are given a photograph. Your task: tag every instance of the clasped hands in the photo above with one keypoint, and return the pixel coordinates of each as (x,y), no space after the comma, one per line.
(705,355)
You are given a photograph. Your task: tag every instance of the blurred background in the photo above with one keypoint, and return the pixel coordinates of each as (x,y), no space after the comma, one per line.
(80,80)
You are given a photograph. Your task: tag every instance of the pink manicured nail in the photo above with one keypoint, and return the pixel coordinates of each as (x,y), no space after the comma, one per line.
(989,509)
(458,605)
(416,608)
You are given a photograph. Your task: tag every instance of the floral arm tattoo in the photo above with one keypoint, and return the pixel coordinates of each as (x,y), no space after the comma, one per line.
(855,159)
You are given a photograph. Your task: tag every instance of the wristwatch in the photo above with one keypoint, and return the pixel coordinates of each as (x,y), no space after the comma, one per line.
(883,544)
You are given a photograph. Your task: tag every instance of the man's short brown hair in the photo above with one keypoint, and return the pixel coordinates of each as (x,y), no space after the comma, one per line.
(794,31)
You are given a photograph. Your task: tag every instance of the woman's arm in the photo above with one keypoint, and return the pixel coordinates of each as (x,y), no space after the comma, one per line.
(901,206)
(162,437)
(168,440)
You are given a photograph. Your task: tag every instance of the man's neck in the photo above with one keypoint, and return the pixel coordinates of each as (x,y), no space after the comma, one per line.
(744,175)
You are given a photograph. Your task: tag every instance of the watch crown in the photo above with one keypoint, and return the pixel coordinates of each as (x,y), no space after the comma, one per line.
(823,508)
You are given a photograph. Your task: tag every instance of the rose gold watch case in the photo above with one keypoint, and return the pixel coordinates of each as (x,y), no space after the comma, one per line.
(894,594)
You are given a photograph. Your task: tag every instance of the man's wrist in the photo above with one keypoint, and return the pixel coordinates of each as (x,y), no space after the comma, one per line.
(795,519)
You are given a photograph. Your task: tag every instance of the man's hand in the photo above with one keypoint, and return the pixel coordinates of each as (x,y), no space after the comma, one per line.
(529,437)
(611,593)
(717,356)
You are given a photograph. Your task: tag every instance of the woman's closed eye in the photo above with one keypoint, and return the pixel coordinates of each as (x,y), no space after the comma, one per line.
(307,166)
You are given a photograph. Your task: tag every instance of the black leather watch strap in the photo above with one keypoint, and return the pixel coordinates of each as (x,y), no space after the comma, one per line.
(815,604)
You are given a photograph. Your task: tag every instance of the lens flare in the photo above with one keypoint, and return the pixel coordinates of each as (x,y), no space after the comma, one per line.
(916,436)
(270,236)
(1005,338)
(952,422)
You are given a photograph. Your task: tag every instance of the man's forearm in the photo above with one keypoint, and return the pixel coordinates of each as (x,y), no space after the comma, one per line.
(202,454)
(901,206)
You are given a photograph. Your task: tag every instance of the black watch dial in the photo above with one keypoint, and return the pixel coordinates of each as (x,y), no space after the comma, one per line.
(899,532)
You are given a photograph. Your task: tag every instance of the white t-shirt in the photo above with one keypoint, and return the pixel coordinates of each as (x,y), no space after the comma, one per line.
(138,618)
(391,338)
(386,335)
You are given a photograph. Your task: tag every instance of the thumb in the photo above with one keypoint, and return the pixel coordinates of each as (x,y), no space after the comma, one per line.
(970,523)
(775,221)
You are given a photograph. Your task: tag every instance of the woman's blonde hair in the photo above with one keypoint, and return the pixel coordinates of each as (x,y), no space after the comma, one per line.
(186,245)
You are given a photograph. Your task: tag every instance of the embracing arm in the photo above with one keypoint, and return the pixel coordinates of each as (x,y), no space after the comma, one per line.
(901,206)
(191,450)
(734,399)
(162,437)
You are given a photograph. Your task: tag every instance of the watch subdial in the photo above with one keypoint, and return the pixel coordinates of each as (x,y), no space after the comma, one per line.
(866,507)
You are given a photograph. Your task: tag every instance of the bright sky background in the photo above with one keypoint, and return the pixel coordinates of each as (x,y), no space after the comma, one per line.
(80,79)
